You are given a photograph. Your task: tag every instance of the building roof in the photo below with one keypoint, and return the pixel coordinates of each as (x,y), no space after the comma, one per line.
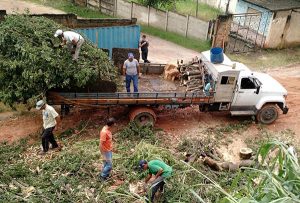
(276,5)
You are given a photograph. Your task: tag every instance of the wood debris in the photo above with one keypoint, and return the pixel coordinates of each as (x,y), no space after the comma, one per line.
(192,75)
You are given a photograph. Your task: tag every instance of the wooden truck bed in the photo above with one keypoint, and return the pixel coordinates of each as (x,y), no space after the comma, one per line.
(121,98)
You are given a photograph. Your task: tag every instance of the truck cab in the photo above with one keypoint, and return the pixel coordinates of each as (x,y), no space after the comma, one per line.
(244,92)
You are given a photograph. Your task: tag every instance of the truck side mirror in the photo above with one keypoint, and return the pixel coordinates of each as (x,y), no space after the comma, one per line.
(257,90)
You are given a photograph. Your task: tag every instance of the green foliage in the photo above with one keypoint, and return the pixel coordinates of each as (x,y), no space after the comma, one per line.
(194,44)
(135,132)
(158,3)
(30,65)
(205,11)
(69,7)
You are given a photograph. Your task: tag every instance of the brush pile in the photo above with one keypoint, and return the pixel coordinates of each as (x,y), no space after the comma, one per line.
(31,62)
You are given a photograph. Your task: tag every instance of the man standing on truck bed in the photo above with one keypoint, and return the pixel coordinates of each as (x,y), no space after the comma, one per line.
(73,41)
(131,69)
(51,119)
(161,171)
(144,44)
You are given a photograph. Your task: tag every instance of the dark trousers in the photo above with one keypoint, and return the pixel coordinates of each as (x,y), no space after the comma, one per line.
(47,137)
(145,55)
(157,184)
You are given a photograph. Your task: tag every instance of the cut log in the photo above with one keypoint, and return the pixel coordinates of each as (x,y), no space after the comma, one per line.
(194,72)
(195,77)
(245,153)
(212,164)
(247,163)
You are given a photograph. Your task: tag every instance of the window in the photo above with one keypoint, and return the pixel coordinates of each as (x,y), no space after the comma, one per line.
(248,83)
(226,80)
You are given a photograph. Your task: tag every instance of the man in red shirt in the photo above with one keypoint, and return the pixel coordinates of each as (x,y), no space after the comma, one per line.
(105,147)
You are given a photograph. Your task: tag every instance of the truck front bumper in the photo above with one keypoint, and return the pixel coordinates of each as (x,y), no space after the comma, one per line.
(285,110)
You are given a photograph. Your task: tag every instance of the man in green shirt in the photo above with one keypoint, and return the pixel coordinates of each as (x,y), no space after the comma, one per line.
(161,171)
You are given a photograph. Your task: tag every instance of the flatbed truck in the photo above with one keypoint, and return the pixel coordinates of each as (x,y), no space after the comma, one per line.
(236,89)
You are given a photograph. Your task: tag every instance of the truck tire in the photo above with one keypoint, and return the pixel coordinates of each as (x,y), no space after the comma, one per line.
(267,114)
(143,116)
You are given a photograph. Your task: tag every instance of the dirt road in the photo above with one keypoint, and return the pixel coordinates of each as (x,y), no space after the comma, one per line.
(162,51)
(17,6)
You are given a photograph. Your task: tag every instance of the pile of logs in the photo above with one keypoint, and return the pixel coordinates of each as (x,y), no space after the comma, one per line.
(191,76)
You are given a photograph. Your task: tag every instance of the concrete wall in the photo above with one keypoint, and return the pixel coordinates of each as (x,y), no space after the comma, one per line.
(284,30)
(170,21)
(105,6)
(263,23)
(292,35)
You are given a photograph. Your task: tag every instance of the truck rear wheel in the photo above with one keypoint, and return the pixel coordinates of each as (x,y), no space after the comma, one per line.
(267,114)
(143,116)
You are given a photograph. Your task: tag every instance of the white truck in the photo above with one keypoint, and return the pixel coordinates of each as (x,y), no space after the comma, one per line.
(244,92)
(235,88)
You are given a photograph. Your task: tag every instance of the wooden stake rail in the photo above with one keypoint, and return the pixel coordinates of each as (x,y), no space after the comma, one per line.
(113,99)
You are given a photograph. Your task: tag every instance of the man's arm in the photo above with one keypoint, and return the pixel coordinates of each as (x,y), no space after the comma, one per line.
(138,67)
(159,173)
(74,42)
(58,121)
(148,177)
(124,69)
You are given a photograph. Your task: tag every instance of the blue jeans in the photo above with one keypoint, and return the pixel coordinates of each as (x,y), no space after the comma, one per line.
(135,79)
(107,165)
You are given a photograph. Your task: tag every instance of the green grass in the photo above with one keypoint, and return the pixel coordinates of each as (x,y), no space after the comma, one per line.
(197,45)
(189,7)
(267,59)
(205,12)
(68,7)
(4,108)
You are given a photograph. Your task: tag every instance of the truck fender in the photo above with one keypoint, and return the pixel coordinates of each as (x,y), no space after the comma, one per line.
(270,99)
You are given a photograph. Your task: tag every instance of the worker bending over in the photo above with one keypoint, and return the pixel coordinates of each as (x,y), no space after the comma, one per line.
(161,171)
(73,41)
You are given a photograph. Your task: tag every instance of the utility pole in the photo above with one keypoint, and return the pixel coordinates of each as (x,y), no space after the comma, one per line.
(227,6)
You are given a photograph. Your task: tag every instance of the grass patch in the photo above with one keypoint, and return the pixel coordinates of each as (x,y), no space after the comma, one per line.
(267,59)
(189,7)
(69,7)
(4,108)
(194,44)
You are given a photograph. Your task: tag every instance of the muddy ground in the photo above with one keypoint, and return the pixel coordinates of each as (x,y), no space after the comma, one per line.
(177,124)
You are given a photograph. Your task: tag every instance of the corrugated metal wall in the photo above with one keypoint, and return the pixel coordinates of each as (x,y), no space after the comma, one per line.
(113,37)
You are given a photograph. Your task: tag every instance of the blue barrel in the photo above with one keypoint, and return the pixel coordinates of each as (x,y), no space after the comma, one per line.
(216,55)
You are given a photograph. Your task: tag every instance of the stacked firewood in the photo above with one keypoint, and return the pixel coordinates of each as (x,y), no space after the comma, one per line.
(191,76)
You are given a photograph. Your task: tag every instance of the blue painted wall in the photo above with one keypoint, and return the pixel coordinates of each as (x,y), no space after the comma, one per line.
(113,37)
(242,7)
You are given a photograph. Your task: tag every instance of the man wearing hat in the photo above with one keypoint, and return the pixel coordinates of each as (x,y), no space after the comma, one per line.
(131,69)
(50,120)
(161,171)
(73,41)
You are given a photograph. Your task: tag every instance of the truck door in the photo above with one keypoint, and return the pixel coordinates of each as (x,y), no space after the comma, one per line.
(225,88)
(245,97)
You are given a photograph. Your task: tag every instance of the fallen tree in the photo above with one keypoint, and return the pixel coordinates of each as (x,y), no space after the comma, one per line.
(31,62)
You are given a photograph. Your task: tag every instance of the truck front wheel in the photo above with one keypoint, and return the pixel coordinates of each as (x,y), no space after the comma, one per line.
(267,114)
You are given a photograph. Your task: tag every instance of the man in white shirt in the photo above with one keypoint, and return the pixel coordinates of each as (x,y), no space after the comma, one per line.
(73,41)
(50,120)
(131,69)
